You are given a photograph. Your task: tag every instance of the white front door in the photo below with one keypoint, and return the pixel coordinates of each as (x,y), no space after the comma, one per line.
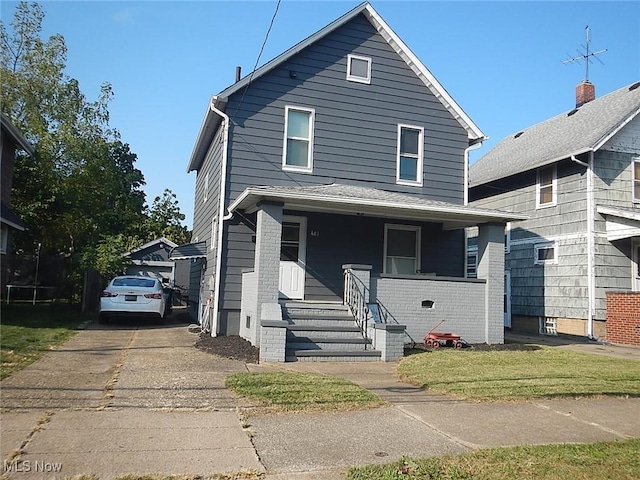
(293,257)
(507,299)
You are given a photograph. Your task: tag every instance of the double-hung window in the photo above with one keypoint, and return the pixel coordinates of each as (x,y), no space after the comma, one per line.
(636,179)
(410,153)
(401,249)
(546,187)
(298,139)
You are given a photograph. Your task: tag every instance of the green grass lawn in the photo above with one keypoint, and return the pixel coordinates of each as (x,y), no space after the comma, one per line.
(595,461)
(27,332)
(288,391)
(544,372)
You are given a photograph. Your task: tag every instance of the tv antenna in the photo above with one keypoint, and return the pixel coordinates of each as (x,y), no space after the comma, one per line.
(585,54)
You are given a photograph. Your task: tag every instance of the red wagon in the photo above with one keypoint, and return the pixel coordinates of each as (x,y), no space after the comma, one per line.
(436,340)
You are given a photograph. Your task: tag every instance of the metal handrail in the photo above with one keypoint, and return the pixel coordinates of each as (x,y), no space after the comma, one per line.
(355,299)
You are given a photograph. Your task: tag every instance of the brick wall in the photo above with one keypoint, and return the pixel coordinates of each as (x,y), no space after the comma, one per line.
(623,318)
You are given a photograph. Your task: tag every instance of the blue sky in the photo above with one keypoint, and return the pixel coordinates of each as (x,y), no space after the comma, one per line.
(501,61)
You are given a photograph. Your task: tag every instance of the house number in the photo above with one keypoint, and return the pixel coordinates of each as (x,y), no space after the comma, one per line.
(315,233)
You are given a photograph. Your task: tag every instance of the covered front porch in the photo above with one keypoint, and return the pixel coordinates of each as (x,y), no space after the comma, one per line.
(407,254)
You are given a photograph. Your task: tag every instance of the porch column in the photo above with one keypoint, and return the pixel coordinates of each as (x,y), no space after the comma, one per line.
(491,269)
(267,259)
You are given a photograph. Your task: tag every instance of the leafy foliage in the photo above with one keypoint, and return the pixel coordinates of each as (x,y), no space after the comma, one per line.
(81,196)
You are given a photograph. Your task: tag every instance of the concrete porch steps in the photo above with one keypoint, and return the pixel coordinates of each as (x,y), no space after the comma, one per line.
(324,332)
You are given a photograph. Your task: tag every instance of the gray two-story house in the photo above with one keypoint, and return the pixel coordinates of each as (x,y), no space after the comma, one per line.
(340,167)
(576,177)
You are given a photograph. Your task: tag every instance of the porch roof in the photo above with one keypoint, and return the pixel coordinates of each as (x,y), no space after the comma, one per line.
(354,200)
(620,222)
(189,251)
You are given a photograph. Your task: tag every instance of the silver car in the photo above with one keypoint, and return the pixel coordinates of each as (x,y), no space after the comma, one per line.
(133,295)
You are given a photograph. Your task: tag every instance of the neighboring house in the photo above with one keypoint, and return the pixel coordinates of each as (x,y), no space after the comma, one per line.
(341,159)
(152,260)
(11,140)
(577,177)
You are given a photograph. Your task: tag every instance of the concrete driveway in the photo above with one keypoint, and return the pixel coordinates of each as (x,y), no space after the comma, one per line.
(125,398)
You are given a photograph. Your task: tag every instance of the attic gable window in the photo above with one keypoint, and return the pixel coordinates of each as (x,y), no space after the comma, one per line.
(636,179)
(358,69)
(298,139)
(546,187)
(410,153)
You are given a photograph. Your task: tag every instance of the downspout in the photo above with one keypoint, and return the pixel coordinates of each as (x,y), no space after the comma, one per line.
(221,213)
(475,146)
(590,243)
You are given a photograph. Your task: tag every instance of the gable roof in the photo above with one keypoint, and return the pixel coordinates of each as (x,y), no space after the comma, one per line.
(15,135)
(152,243)
(583,129)
(211,120)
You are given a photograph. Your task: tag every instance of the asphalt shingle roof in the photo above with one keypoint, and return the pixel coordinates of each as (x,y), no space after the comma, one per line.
(570,133)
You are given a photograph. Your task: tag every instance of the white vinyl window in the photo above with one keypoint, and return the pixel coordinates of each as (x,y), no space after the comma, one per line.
(401,249)
(358,69)
(206,188)
(4,238)
(410,153)
(298,139)
(214,232)
(636,179)
(546,187)
(545,253)
(507,237)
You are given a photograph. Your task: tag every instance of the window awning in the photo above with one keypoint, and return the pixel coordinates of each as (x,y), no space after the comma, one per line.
(621,223)
(354,200)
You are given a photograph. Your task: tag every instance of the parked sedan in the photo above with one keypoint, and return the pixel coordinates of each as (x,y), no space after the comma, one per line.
(132,295)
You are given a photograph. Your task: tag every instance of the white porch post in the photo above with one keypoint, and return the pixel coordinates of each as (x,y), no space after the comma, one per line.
(491,269)
(267,258)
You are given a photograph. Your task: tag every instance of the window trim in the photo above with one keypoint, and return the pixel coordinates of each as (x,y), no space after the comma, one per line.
(539,246)
(312,114)
(205,195)
(420,159)
(395,226)
(554,187)
(214,232)
(355,78)
(634,160)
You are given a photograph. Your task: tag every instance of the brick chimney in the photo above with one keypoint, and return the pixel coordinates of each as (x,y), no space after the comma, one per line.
(585,92)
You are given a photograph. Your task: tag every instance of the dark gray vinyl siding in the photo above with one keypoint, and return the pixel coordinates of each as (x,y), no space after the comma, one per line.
(355,134)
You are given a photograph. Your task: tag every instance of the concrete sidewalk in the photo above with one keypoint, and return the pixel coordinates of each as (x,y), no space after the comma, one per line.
(142,400)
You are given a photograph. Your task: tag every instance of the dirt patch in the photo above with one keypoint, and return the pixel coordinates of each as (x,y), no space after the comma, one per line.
(233,347)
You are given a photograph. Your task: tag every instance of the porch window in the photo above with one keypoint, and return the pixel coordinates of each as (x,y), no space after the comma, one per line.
(546,187)
(358,69)
(636,179)
(402,249)
(298,139)
(472,264)
(545,253)
(410,153)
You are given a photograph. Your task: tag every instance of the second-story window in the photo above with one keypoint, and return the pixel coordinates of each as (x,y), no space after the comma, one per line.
(636,179)
(409,161)
(546,187)
(298,139)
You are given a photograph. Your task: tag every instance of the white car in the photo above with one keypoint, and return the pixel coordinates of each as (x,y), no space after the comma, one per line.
(132,295)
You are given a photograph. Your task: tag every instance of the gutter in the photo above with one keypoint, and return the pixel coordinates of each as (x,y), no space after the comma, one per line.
(591,278)
(221,212)
(473,146)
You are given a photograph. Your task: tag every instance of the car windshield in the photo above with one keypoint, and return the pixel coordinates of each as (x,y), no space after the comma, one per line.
(134,282)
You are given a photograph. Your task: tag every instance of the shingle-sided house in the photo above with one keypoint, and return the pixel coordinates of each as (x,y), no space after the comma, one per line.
(335,174)
(11,139)
(577,178)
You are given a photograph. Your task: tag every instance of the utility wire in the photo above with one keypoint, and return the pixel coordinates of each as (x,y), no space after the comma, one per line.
(266,37)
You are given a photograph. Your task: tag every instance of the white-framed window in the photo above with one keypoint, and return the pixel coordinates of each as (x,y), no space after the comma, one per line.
(4,238)
(635,166)
(214,232)
(401,249)
(635,265)
(206,188)
(359,69)
(507,237)
(472,264)
(298,139)
(545,253)
(547,187)
(410,155)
